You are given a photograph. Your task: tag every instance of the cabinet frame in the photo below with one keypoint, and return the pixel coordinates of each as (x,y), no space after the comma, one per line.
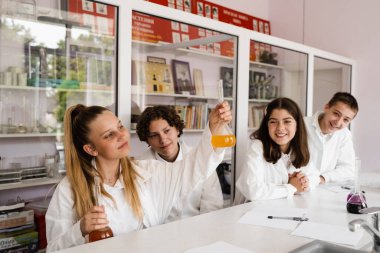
(242,64)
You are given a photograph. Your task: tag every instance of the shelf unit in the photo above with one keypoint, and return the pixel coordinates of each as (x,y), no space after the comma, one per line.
(127,48)
(190,97)
(51,89)
(31,135)
(29,183)
(176,48)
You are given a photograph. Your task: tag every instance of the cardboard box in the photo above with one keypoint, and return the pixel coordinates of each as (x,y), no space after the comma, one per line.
(27,242)
(15,219)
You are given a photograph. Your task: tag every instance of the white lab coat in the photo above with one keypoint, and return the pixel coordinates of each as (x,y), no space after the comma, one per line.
(332,154)
(205,198)
(260,179)
(160,186)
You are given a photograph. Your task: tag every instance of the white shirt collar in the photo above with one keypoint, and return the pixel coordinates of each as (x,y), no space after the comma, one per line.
(179,156)
(317,126)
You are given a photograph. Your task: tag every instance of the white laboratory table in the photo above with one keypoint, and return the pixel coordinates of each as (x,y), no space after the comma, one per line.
(324,206)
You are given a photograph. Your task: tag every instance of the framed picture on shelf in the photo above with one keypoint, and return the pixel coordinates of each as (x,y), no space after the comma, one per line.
(226,74)
(182,78)
(158,78)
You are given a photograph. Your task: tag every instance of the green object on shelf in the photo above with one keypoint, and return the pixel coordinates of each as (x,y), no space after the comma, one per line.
(54,83)
(69,84)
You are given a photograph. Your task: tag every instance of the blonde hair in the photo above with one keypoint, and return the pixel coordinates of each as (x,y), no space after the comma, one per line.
(80,171)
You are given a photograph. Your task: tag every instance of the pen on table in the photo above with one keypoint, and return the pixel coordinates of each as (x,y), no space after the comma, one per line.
(288,218)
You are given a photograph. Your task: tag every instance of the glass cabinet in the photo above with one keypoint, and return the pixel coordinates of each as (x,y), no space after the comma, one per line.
(274,72)
(52,55)
(187,67)
(130,55)
(329,78)
(51,58)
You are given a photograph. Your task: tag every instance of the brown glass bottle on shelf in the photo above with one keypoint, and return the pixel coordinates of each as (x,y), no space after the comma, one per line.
(102,233)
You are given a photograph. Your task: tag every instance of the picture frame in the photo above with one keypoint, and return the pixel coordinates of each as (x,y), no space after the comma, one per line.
(215,13)
(87,6)
(182,78)
(227,74)
(101,8)
(153,77)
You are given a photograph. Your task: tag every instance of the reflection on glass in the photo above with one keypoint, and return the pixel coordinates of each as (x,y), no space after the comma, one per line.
(274,72)
(55,58)
(181,65)
(329,78)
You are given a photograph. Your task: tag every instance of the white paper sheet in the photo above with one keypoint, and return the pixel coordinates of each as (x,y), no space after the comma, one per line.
(218,247)
(259,216)
(336,188)
(328,233)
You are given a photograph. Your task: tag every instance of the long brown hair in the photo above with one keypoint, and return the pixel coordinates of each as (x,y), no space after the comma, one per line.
(298,145)
(80,171)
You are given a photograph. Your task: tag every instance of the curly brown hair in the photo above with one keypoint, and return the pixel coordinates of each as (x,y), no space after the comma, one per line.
(155,113)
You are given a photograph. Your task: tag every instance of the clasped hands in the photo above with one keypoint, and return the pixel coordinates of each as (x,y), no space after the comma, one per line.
(300,181)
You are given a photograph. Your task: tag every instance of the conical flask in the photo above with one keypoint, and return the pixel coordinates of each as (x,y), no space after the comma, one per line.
(102,233)
(227,139)
(356,199)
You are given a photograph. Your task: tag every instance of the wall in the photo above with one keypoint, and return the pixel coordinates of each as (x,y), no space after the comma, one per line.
(258,8)
(338,27)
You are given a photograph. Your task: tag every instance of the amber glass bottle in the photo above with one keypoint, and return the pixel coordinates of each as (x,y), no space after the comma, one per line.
(102,233)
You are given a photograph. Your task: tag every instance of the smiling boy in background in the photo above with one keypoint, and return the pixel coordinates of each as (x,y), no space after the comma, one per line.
(330,141)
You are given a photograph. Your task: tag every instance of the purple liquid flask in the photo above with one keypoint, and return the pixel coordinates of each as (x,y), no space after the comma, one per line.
(356,199)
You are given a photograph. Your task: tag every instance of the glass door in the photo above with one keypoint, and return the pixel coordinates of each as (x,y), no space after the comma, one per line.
(329,77)
(51,58)
(274,72)
(187,68)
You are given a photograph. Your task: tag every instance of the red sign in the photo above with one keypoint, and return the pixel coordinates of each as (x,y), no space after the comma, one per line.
(151,29)
(177,32)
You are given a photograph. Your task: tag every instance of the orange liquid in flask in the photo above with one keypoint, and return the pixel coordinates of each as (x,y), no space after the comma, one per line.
(223,141)
(100,234)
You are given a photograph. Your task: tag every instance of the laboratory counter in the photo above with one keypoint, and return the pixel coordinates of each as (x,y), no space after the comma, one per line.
(325,205)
